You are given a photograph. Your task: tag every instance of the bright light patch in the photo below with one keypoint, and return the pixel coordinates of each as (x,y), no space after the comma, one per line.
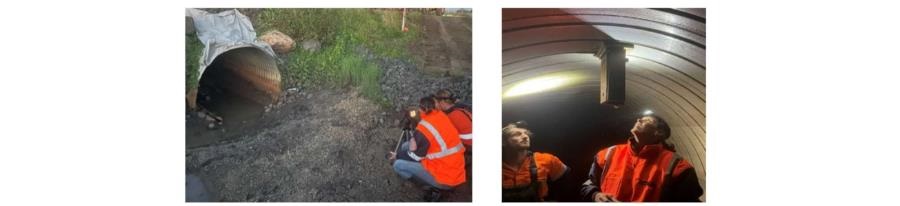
(538,84)
(648,112)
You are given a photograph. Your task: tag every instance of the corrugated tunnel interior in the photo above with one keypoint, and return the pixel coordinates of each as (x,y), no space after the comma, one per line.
(239,83)
(665,73)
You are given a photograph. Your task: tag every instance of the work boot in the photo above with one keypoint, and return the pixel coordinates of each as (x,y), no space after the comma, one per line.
(433,195)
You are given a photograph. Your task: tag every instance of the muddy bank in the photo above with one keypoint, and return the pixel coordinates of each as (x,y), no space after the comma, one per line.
(317,146)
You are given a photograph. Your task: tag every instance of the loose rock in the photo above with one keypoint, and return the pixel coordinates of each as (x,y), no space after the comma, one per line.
(281,43)
(312,45)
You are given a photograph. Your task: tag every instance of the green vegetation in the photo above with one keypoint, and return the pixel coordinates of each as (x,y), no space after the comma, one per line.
(193,49)
(342,32)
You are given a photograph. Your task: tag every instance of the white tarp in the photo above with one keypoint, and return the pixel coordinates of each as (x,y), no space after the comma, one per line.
(223,31)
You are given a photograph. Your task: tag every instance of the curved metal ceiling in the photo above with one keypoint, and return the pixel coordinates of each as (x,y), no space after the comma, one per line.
(666,70)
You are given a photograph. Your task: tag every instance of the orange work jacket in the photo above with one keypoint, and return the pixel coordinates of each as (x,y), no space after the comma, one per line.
(462,120)
(637,177)
(445,160)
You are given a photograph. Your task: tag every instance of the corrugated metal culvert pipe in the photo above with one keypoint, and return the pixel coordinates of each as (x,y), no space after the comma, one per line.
(238,73)
(665,73)
(246,73)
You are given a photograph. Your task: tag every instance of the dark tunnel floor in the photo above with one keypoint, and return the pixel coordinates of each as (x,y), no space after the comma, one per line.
(235,110)
(229,105)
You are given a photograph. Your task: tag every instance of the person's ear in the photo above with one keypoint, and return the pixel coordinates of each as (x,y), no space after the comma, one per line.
(659,134)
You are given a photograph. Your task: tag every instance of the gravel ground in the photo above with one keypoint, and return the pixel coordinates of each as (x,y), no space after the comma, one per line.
(404,84)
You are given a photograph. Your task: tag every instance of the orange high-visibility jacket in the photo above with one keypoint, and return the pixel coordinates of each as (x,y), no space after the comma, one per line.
(642,176)
(462,120)
(445,160)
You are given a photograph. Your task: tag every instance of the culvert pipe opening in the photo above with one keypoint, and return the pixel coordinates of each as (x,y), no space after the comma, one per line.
(239,83)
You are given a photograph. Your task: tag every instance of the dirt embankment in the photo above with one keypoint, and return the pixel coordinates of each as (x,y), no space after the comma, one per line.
(322,147)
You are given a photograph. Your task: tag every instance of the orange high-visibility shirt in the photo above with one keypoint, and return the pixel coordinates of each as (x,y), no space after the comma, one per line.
(548,167)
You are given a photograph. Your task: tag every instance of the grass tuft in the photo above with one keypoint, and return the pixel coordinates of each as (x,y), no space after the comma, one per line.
(193,49)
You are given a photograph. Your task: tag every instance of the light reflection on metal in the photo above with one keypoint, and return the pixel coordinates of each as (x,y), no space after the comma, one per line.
(540,84)
(256,68)
(247,72)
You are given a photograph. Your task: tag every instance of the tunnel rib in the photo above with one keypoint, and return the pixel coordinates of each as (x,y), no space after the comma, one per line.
(678,37)
(590,40)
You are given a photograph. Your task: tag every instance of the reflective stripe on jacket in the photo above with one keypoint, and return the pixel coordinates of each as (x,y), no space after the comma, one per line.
(462,121)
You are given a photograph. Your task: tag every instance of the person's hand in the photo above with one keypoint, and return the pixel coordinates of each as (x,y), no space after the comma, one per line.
(603,197)
(392,157)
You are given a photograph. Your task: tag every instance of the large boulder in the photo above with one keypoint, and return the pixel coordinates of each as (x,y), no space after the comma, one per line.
(280,42)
